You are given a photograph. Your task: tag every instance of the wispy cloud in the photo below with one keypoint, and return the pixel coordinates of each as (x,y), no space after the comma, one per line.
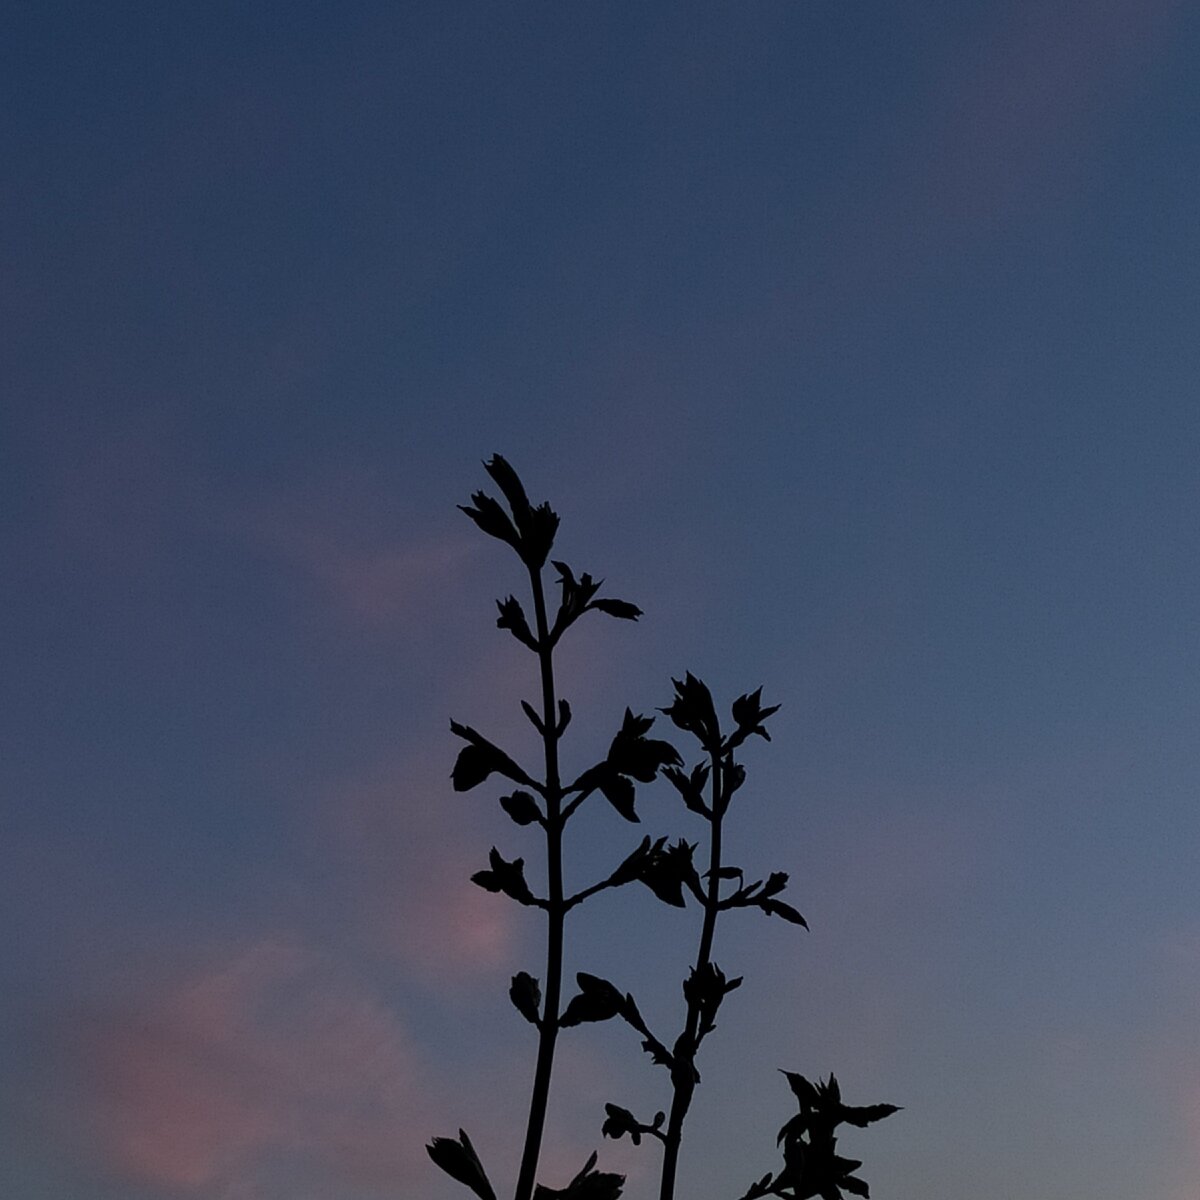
(394,839)
(256,1065)
(368,580)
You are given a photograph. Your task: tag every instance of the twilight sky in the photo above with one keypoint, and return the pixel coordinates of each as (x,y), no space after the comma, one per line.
(857,344)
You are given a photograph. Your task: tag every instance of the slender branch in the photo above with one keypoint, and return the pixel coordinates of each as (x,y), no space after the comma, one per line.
(555,907)
(683,1076)
(587,892)
(569,808)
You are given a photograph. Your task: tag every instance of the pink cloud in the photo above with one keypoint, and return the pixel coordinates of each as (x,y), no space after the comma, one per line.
(405,848)
(369,580)
(258,1060)
(404,845)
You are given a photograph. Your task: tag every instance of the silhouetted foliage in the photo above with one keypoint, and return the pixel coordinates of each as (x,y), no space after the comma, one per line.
(811,1165)
(666,868)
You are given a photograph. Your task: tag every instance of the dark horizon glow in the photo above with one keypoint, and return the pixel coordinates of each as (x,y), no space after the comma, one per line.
(858,348)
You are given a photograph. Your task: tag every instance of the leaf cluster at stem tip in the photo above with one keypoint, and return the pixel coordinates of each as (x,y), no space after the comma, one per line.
(528,530)
(693,711)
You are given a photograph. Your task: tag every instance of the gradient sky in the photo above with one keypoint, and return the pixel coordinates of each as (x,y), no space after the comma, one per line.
(857,344)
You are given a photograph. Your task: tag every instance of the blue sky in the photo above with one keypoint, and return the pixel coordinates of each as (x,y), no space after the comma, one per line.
(857,347)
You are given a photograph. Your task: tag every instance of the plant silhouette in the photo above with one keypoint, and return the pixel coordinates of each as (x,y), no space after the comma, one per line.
(673,875)
(811,1166)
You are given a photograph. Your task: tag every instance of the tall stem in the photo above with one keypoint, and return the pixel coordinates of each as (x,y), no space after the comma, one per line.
(556,909)
(682,1077)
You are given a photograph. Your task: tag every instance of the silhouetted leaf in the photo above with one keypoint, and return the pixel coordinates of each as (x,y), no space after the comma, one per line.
(748,716)
(479,759)
(631,866)
(704,989)
(666,871)
(811,1165)
(692,711)
(589,1184)
(492,519)
(632,753)
(867,1115)
(760,1188)
(617,608)
(532,714)
(598,1000)
(522,807)
(690,787)
(619,792)
(512,618)
(620,1121)
(543,525)
(775,884)
(659,1054)
(499,468)
(505,877)
(777,908)
(534,527)
(577,594)
(459,1160)
(564,717)
(792,1129)
(802,1089)
(526,995)
(631,1015)
(530,531)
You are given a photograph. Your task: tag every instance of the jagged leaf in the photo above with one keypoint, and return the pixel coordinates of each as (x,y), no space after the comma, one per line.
(802,1089)
(505,877)
(512,618)
(577,594)
(659,1054)
(748,716)
(667,870)
(692,711)
(589,1184)
(459,1160)
(534,527)
(632,753)
(491,518)
(775,884)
